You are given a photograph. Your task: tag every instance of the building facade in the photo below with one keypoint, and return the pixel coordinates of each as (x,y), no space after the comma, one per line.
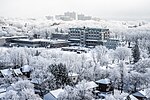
(71,15)
(111,43)
(83,17)
(40,43)
(88,36)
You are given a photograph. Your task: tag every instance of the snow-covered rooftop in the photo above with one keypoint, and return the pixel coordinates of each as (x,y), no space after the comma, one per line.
(55,93)
(139,94)
(2,89)
(104,81)
(17,71)
(87,85)
(132,97)
(37,81)
(73,74)
(6,72)
(42,40)
(26,68)
(3,37)
(49,96)
(2,95)
(91,85)
(142,93)
(75,48)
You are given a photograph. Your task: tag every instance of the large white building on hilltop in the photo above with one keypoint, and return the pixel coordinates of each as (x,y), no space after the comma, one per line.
(88,36)
(83,17)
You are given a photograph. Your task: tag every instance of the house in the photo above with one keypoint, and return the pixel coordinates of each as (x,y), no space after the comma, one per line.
(26,70)
(6,72)
(142,94)
(91,86)
(40,86)
(17,72)
(104,85)
(130,97)
(49,96)
(10,72)
(53,95)
(88,86)
(73,77)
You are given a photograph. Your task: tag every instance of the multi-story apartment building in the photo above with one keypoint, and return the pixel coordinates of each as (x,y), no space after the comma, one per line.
(88,36)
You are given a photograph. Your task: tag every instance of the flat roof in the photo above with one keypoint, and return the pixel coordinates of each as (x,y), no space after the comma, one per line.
(5,37)
(42,40)
(88,28)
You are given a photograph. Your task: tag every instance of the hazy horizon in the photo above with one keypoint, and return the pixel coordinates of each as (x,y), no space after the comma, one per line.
(105,9)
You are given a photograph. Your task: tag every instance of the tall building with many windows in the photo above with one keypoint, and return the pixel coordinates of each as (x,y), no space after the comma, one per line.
(88,36)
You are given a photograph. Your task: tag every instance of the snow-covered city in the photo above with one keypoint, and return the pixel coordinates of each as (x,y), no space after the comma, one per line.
(73,55)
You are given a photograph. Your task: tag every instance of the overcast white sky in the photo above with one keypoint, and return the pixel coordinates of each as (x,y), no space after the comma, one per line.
(101,8)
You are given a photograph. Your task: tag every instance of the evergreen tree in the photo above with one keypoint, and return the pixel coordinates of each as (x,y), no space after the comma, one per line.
(136,53)
(35,36)
(60,73)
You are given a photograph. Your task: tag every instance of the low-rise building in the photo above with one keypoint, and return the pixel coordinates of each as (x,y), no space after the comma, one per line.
(5,40)
(111,43)
(63,36)
(40,43)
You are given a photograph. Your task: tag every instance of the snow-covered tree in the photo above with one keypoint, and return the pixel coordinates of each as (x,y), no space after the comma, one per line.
(21,90)
(11,95)
(122,53)
(18,56)
(79,92)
